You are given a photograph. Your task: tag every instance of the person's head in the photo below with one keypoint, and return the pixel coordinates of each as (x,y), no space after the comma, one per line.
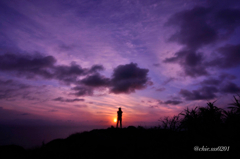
(119,108)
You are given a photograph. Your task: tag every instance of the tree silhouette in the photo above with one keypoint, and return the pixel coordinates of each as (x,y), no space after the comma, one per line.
(170,123)
(190,119)
(236,105)
(210,117)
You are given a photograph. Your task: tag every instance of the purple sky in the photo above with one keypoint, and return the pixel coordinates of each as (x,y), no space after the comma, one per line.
(76,62)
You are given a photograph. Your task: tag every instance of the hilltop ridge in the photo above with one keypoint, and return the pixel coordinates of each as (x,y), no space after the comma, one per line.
(130,142)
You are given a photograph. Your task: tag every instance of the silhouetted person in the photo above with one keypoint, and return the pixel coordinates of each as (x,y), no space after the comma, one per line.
(119,118)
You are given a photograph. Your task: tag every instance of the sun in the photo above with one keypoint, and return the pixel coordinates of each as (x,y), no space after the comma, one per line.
(115,120)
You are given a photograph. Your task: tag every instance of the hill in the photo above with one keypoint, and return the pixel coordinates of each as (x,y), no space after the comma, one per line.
(131,142)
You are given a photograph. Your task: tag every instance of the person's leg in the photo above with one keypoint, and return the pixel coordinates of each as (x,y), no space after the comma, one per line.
(120,123)
(117,124)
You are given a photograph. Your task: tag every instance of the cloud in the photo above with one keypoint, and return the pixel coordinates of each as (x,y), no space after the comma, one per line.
(82,91)
(64,47)
(6,82)
(199,27)
(211,86)
(10,89)
(95,80)
(27,65)
(68,74)
(191,62)
(228,19)
(168,80)
(203,93)
(128,78)
(44,66)
(27,95)
(230,88)
(80,106)
(222,78)
(53,110)
(61,99)
(211,81)
(156,64)
(161,89)
(172,102)
(229,57)
(193,30)
(96,68)
(125,79)
(153,106)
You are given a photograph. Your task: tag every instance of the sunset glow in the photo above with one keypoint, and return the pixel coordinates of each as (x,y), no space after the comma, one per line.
(115,120)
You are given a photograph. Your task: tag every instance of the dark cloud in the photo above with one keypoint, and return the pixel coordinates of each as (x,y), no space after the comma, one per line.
(161,89)
(95,80)
(156,64)
(172,102)
(125,79)
(128,78)
(229,56)
(60,99)
(224,76)
(27,96)
(223,3)
(153,106)
(65,47)
(44,66)
(96,68)
(68,74)
(228,19)
(191,62)
(211,81)
(211,86)
(82,91)
(6,94)
(230,88)
(193,30)
(9,89)
(27,65)
(6,82)
(168,80)
(199,27)
(203,93)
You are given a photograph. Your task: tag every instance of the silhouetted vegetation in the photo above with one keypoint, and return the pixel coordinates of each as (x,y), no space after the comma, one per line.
(176,137)
(205,120)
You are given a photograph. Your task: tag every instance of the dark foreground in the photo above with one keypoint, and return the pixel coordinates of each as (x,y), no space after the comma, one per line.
(131,142)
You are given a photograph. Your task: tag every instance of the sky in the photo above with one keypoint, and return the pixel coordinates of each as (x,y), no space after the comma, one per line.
(66,62)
